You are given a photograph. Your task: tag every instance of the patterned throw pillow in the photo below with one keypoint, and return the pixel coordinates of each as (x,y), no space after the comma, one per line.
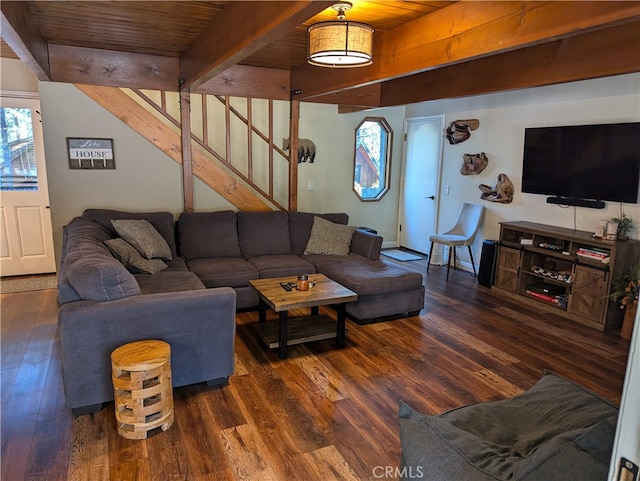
(144,237)
(131,258)
(328,238)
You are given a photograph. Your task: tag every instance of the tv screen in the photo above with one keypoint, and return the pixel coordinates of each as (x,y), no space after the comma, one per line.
(600,162)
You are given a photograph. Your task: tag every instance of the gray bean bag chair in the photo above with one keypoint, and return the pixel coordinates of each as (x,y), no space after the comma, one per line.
(555,431)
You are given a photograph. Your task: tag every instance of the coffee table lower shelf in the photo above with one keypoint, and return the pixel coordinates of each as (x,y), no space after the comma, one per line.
(300,330)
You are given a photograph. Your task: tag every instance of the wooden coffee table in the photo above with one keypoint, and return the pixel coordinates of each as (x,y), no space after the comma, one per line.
(300,329)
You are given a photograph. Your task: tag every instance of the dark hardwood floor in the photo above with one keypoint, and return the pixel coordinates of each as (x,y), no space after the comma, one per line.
(321,414)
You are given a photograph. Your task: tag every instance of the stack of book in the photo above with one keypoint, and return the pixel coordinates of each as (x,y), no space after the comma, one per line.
(552,294)
(594,253)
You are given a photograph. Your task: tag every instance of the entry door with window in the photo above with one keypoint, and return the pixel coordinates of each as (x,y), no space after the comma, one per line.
(26,238)
(421,177)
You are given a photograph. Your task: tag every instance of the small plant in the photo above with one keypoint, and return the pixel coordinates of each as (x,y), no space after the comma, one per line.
(625,289)
(625,224)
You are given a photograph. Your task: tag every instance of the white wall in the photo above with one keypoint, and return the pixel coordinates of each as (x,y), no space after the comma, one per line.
(147,179)
(332,171)
(503,118)
(16,76)
(144,178)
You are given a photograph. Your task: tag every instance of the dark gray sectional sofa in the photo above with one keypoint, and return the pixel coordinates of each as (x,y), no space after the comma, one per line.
(192,303)
(228,249)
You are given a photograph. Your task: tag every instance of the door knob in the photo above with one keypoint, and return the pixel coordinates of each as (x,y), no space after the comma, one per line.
(432,197)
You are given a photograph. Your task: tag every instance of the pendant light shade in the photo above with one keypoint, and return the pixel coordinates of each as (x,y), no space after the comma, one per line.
(340,43)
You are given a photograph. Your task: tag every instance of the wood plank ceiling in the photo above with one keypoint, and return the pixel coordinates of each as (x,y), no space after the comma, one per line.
(422,49)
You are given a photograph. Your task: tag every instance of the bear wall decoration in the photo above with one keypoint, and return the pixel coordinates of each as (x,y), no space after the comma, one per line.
(306,149)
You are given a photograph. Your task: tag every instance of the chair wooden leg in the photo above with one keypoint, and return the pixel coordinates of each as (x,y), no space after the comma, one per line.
(472,263)
(449,259)
(429,257)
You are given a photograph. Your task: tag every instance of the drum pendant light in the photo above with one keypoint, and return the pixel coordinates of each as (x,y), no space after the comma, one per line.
(340,43)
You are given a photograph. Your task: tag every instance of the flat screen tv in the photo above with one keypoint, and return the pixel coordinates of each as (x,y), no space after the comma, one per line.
(594,162)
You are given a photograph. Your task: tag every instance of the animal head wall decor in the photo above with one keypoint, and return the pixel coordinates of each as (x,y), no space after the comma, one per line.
(306,149)
(502,192)
(473,164)
(460,130)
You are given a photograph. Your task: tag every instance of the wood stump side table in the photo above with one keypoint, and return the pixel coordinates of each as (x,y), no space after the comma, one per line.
(141,374)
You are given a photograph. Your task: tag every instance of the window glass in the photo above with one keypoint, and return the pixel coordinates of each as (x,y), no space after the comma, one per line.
(18,170)
(371,170)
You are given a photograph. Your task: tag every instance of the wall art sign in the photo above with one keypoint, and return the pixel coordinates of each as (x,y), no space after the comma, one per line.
(90,153)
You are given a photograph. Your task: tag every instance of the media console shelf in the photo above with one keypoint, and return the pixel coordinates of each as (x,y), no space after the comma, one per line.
(565,271)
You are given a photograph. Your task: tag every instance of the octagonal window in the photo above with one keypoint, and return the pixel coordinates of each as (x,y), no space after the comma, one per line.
(372,159)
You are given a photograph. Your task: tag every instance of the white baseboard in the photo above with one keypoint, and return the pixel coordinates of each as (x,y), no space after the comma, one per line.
(464,266)
(389,245)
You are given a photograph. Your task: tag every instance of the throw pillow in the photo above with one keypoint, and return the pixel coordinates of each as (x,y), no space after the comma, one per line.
(131,258)
(328,238)
(144,237)
(300,224)
(162,221)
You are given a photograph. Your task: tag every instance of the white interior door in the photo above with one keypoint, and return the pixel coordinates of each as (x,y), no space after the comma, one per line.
(26,237)
(421,179)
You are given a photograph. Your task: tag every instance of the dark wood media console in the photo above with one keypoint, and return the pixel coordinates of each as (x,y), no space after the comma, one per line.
(565,271)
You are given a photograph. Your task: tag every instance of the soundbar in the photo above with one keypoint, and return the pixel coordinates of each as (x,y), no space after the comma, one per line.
(592,204)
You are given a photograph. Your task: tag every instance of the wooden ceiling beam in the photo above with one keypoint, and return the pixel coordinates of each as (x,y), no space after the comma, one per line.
(111,68)
(602,53)
(360,98)
(350,109)
(24,38)
(245,81)
(241,29)
(461,32)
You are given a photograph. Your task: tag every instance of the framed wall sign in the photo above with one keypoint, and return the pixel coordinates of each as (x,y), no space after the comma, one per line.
(90,153)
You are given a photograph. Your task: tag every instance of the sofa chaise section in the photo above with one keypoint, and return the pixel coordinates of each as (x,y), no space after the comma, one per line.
(227,248)
(384,289)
